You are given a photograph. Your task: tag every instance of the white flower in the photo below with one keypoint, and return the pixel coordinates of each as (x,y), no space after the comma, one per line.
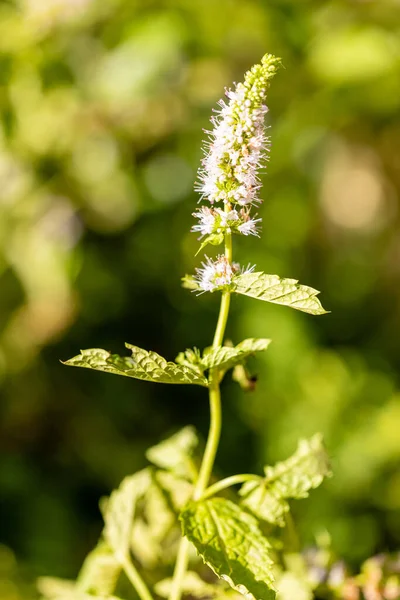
(238,142)
(249,227)
(228,218)
(236,149)
(219,274)
(207,220)
(217,220)
(216,275)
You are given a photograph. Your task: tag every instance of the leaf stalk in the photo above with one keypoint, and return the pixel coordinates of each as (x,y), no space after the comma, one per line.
(228,482)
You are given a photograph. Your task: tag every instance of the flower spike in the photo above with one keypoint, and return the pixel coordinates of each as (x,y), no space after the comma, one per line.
(238,142)
(228,178)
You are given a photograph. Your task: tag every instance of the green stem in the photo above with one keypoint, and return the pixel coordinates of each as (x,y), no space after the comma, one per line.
(214,433)
(225,300)
(222,319)
(228,482)
(181,564)
(136,580)
(293,538)
(213,438)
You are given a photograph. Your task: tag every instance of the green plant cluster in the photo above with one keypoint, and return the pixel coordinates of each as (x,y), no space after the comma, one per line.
(231,537)
(236,536)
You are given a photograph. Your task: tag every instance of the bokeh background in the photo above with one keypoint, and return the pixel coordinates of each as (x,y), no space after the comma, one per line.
(102,106)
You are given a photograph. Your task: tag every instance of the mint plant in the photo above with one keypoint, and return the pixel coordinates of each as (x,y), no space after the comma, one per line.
(165,522)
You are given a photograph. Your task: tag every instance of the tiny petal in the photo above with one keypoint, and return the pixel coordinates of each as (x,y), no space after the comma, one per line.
(207,220)
(249,227)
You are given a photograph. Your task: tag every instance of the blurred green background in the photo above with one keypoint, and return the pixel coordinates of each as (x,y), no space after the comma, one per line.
(102,105)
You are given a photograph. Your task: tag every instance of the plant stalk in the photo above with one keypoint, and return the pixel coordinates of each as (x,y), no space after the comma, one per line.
(214,433)
(212,440)
(136,580)
(228,482)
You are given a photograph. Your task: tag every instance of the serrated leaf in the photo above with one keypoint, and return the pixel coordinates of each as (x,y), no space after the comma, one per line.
(231,543)
(100,571)
(292,478)
(215,239)
(226,357)
(273,288)
(155,530)
(176,453)
(148,366)
(119,512)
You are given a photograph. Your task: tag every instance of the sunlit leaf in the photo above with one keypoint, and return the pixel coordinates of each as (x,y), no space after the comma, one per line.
(176,453)
(190,358)
(58,589)
(273,288)
(230,542)
(215,239)
(148,366)
(178,489)
(226,357)
(100,571)
(155,529)
(292,478)
(119,511)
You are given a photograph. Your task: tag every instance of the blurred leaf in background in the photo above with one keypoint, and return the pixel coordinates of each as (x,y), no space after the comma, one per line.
(102,105)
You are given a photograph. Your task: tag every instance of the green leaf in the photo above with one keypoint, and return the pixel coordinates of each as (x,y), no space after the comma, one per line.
(190,358)
(230,542)
(148,366)
(292,478)
(154,518)
(100,571)
(214,238)
(189,282)
(273,288)
(119,512)
(176,453)
(156,531)
(226,357)
(57,589)
(179,490)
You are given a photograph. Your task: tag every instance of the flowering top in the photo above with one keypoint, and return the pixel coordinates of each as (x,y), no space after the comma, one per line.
(228,178)
(238,142)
